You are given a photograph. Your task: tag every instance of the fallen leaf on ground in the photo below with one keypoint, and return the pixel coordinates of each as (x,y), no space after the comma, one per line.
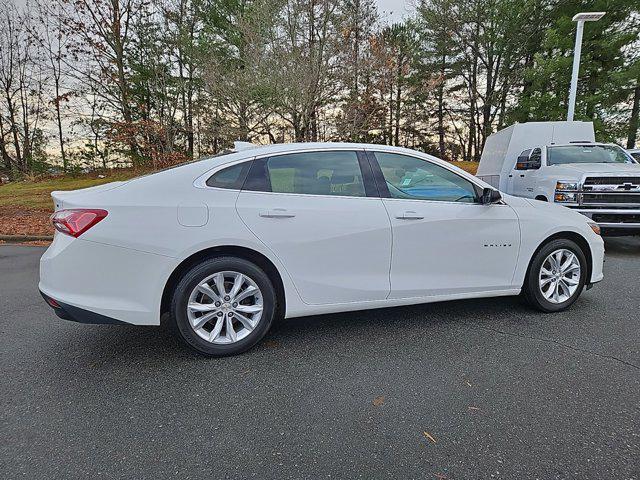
(24,221)
(271,343)
(378,401)
(428,435)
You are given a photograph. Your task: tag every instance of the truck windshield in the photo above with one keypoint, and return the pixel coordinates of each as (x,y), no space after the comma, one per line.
(587,154)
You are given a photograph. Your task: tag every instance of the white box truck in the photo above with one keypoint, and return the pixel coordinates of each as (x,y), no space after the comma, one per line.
(561,162)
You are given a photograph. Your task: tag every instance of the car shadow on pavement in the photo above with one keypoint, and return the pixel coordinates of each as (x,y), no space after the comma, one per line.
(144,349)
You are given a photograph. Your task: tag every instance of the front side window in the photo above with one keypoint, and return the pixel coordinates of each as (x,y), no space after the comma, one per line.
(414,178)
(310,173)
(586,154)
(536,155)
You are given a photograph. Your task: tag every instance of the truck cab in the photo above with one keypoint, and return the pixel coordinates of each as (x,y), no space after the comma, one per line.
(549,161)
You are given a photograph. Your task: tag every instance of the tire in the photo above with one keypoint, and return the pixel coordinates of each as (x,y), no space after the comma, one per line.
(541,297)
(214,338)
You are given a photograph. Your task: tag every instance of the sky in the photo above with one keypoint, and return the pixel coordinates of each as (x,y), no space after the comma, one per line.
(394,11)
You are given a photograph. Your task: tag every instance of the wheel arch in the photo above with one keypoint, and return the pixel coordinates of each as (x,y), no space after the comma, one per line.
(542,198)
(566,235)
(226,250)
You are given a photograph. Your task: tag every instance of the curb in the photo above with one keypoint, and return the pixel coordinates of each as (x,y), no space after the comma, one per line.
(25,238)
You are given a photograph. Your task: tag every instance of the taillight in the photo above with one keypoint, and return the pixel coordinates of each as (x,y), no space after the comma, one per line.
(76,221)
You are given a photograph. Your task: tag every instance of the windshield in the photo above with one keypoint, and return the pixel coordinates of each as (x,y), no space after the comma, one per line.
(587,154)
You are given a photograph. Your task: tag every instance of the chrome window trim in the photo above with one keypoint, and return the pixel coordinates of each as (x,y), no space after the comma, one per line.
(201,181)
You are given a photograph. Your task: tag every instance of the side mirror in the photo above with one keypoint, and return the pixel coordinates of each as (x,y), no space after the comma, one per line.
(489,196)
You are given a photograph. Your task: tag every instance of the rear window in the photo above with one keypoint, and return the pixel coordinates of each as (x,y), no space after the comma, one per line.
(231,177)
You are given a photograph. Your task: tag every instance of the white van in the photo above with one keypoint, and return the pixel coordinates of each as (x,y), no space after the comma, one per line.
(561,162)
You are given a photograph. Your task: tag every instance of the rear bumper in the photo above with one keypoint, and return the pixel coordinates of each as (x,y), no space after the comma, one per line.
(80,315)
(98,283)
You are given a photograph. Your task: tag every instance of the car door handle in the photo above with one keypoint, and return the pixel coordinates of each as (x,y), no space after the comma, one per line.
(409,215)
(277,213)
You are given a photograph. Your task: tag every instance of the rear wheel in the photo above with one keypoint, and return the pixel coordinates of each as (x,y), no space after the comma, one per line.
(556,276)
(223,306)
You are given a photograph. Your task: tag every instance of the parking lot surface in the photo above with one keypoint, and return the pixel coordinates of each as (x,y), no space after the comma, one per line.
(457,390)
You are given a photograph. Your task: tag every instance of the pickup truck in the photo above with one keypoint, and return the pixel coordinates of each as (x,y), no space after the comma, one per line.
(566,166)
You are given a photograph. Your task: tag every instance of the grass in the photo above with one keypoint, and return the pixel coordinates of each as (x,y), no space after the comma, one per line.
(471,167)
(36,195)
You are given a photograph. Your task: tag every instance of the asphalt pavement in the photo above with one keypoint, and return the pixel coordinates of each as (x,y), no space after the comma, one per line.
(456,390)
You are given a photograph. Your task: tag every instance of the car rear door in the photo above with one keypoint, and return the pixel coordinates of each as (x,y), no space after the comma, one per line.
(320,214)
(444,241)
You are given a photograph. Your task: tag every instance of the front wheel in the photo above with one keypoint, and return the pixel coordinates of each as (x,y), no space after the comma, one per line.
(556,276)
(223,306)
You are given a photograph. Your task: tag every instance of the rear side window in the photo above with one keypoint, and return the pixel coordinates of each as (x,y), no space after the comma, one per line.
(311,173)
(231,177)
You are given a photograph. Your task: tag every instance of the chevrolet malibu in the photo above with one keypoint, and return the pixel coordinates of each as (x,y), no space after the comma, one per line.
(226,244)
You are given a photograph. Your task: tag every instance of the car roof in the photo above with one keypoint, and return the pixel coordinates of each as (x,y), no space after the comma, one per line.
(578,144)
(279,148)
(292,147)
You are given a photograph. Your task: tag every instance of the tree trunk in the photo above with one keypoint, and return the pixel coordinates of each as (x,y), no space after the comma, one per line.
(6,158)
(488,101)
(243,122)
(189,115)
(59,121)
(634,123)
(123,88)
(441,143)
(396,136)
(390,132)
(13,127)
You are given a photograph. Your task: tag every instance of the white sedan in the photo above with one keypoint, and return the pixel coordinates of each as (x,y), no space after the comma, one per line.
(227,243)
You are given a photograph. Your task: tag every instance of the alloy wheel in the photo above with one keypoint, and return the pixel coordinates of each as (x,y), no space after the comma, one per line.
(225,307)
(559,276)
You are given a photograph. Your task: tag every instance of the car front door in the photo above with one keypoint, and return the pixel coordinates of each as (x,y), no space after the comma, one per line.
(320,214)
(444,241)
(524,180)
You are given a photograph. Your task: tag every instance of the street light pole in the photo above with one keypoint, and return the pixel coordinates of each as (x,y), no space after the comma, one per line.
(580,18)
(574,74)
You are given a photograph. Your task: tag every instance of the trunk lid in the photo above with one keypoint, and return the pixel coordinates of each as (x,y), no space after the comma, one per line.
(65,198)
